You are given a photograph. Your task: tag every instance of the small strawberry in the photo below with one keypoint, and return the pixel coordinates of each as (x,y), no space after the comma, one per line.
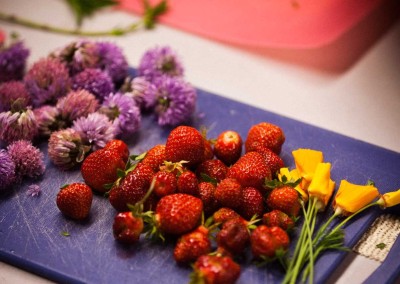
(215,269)
(155,157)
(252,203)
(234,236)
(185,143)
(228,193)
(284,198)
(279,219)
(228,147)
(266,135)
(165,183)
(187,183)
(215,169)
(100,169)
(250,170)
(119,146)
(75,200)
(266,242)
(273,161)
(206,194)
(224,214)
(127,227)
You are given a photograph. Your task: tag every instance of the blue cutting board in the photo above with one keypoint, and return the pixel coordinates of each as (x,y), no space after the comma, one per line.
(31,227)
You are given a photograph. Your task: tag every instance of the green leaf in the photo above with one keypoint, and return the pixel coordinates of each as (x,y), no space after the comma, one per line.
(85,8)
(151,13)
(207,178)
(381,245)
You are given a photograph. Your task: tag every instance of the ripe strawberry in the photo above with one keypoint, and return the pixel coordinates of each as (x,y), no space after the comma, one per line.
(132,188)
(155,157)
(266,241)
(228,193)
(215,169)
(284,198)
(206,194)
(127,227)
(215,269)
(266,135)
(178,213)
(100,168)
(185,143)
(192,245)
(252,203)
(273,161)
(228,147)
(250,170)
(165,183)
(279,219)
(187,183)
(234,236)
(224,214)
(119,146)
(75,200)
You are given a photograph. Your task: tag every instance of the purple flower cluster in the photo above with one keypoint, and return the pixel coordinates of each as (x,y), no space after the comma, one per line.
(13,61)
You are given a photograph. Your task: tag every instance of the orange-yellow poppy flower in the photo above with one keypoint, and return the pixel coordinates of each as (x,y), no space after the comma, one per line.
(321,186)
(306,161)
(389,199)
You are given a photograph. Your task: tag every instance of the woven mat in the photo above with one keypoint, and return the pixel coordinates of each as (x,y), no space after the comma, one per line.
(379,238)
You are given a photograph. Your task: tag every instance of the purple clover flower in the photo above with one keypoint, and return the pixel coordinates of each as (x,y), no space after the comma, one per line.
(124,113)
(27,158)
(7,170)
(138,88)
(66,149)
(174,102)
(47,81)
(95,81)
(33,190)
(160,61)
(48,121)
(18,125)
(13,95)
(13,61)
(95,130)
(113,61)
(76,104)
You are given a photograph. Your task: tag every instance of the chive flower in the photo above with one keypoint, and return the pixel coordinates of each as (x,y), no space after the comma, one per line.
(13,96)
(95,81)
(18,125)
(7,170)
(113,61)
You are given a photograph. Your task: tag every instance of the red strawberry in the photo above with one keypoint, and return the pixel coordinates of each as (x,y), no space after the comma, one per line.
(206,194)
(178,213)
(187,183)
(229,193)
(192,245)
(185,143)
(127,227)
(155,157)
(234,236)
(75,200)
(100,168)
(252,203)
(250,170)
(266,135)
(279,219)
(224,214)
(266,241)
(132,188)
(119,146)
(228,147)
(215,269)
(165,183)
(215,169)
(284,198)
(273,161)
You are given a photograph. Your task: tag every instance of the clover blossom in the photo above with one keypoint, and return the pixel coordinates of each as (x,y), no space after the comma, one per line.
(95,81)
(47,118)
(18,125)
(33,190)
(13,60)
(13,96)
(113,61)
(75,105)
(7,170)
(138,88)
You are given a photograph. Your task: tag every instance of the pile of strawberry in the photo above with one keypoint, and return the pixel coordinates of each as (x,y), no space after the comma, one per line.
(214,201)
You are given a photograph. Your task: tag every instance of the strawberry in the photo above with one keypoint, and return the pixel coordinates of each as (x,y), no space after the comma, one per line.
(252,203)
(284,198)
(192,245)
(75,200)
(177,214)
(214,169)
(187,183)
(228,193)
(267,241)
(224,214)
(234,236)
(266,135)
(127,227)
(206,194)
(132,188)
(215,269)
(100,169)
(279,219)
(228,147)
(185,143)
(119,146)
(250,170)
(273,161)
(155,157)
(165,183)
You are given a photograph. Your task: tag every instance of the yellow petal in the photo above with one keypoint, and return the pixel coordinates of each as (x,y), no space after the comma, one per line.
(293,175)
(306,161)
(390,199)
(352,197)
(321,186)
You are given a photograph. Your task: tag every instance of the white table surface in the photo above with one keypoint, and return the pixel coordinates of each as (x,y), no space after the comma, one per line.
(351,87)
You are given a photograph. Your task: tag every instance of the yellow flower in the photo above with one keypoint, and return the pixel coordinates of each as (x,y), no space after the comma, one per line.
(389,199)
(321,186)
(306,161)
(352,197)
(293,175)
